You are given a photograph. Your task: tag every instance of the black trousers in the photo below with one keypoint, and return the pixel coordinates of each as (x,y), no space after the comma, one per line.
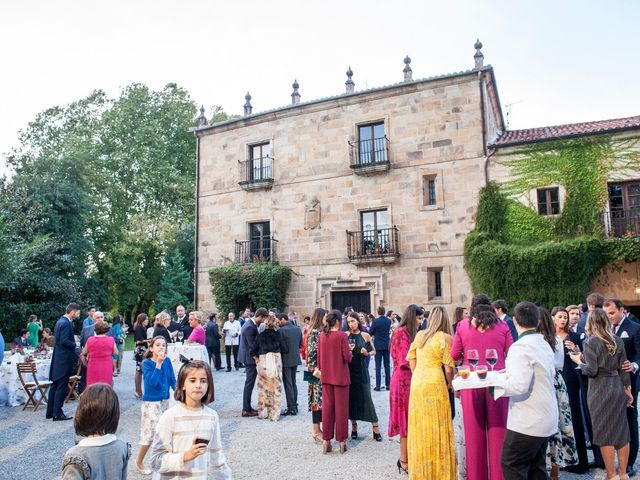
(214,352)
(228,349)
(383,355)
(523,457)
(249,383)
(290,387)
(632,418)
(57,394)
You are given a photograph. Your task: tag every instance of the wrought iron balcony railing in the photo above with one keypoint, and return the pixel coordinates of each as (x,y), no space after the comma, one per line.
(371,245)
(263,250)
(256,173)
(370,156)
(621,223)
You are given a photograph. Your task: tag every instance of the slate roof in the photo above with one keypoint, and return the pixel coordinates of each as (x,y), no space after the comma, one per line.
(543,134)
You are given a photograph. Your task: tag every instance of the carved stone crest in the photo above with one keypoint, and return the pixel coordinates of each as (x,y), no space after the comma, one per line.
(312,215)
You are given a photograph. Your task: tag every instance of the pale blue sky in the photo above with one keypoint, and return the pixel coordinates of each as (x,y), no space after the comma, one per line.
(555,61)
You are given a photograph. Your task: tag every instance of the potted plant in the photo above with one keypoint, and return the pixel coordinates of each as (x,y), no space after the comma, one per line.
(377,248)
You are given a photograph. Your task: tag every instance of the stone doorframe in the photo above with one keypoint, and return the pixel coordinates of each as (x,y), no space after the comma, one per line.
(375,283)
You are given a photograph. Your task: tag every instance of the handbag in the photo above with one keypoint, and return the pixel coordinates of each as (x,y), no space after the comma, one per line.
(307,376)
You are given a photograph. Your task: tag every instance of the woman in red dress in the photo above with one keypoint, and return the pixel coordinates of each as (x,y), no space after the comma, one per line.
(401,379)
(100,350)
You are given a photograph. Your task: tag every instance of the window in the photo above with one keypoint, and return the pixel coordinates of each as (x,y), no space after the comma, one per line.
(624,196)
(429,197)
(260,160)
(375,229)
(260,240)
(548,201)
(372,144)
(434,283)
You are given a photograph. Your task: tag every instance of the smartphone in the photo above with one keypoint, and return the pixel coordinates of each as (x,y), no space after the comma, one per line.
(202,440)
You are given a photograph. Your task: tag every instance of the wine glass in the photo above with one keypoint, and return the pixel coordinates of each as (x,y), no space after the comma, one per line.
(472,357)
(491,355)
(180,336)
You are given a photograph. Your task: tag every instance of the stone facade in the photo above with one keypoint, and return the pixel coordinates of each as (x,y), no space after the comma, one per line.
(436,129)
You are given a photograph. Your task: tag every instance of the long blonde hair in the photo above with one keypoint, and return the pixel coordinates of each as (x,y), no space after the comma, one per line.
(438,322)
(598,325)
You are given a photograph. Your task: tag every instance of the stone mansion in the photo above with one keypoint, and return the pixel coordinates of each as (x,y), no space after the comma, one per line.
(367,196)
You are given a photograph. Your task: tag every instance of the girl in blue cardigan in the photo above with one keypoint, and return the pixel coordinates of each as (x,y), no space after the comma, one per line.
(158,376)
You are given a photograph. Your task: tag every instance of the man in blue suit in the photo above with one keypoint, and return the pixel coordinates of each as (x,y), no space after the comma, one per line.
(62,363)
(500,307)
(379,330)
(292,336)
(248,335)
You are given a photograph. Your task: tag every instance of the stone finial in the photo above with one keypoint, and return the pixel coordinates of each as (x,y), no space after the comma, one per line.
(478,57)
(247,106)
(295,96)
(202,120)
(408,73)
(349,83)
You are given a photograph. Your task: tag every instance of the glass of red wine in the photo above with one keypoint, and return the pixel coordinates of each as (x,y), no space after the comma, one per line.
(491,355)
(472,357)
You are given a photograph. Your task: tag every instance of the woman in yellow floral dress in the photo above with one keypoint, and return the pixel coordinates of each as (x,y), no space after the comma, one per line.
(430,431)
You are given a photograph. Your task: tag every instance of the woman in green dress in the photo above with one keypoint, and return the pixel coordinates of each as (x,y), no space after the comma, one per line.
(35,327)
(360,404)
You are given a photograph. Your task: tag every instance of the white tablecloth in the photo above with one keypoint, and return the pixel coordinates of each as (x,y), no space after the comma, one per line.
(11,391)
(190,351)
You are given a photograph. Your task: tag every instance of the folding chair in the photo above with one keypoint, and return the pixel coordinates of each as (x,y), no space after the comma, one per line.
(72,394)
(32,386)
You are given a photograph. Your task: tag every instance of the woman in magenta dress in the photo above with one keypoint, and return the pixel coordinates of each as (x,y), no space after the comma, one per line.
(485,419)
(100,350)
(198,334)
(401,379)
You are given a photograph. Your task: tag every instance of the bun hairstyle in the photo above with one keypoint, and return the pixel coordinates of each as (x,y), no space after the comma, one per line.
(484,316)
(333,317)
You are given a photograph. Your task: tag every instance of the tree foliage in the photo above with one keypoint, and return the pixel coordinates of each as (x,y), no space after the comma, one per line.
(255,285)
(175,286)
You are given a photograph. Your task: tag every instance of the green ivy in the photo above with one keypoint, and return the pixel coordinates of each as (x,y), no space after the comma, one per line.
(255,285)
(523,225)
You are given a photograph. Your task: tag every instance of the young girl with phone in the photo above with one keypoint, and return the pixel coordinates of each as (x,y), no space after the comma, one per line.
(187,443)
(158,376)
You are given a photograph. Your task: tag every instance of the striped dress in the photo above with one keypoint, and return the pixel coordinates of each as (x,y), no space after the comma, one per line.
(606,397)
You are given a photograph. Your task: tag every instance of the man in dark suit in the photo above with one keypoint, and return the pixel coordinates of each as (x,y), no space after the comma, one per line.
(213,341)
(500,307)
(379,330)
(629,333)
(62,363)
(248,336)
(183,321)
(292,335)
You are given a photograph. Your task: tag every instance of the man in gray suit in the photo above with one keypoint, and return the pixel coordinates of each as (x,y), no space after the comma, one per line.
(292,335)
(248,336)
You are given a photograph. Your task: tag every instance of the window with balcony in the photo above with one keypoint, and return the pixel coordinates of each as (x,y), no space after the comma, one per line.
(257,171)
(260,247)
(370,153)
(624,208)
(375,241)
(548,201)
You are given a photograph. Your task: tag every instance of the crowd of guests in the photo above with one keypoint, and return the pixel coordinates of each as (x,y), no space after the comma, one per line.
(564,381)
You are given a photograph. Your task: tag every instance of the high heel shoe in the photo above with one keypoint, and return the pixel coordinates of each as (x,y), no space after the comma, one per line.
(317,437)
(401,468)
(326,446)
(343,447)
(377,437)
(354,434)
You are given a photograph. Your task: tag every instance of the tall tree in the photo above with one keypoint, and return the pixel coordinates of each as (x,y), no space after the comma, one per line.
(175,286)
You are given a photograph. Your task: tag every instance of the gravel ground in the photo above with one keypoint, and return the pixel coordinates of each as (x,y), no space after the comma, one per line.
(32,447)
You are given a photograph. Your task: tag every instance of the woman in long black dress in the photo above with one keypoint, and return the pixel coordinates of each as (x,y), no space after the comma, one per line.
(360,404)
(609,392)
(571,342)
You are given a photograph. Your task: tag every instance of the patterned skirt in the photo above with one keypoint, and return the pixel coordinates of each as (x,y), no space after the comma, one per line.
(269,386)
(562,446)
(150,415)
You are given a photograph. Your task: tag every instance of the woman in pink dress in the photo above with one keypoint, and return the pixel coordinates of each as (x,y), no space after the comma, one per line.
(485,419)
(198,334)
(100,350)
(401,379)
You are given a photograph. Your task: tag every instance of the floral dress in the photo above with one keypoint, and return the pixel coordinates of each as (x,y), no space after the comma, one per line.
(315,389)
(400,383)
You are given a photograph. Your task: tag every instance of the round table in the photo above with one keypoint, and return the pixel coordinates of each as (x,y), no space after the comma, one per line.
(190,351)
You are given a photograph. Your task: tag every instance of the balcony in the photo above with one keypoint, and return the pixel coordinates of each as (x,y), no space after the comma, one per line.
(621,223)
(262,250)
(373,246)
(256,174)
(370,157)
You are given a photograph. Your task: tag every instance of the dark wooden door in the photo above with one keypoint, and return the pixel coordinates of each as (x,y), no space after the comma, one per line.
(360,300)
